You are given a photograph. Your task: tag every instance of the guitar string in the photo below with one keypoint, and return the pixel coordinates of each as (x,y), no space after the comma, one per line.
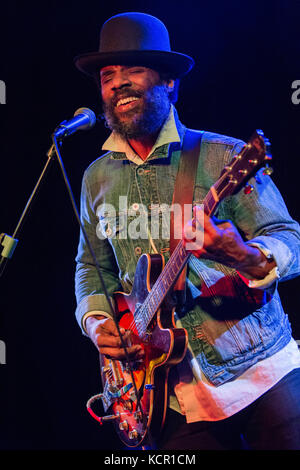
(143,311)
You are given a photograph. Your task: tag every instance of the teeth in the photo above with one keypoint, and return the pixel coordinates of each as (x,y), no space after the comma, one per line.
(126,100)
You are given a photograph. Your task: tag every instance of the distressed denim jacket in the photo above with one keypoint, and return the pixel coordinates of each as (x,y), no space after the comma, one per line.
(230,325)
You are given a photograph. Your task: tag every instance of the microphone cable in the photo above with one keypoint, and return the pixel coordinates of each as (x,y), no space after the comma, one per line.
(56,143)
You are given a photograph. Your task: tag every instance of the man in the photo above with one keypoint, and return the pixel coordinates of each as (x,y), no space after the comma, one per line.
(238,384)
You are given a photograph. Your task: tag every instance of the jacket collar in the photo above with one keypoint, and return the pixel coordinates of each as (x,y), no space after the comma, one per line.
(172,131)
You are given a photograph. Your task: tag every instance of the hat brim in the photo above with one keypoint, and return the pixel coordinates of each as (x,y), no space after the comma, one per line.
(173,63)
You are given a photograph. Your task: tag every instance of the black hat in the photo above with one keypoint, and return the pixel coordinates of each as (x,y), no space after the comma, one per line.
(135,39)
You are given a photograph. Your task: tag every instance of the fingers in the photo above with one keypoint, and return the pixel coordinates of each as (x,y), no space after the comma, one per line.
(206,236)
(109,343)
(134,352)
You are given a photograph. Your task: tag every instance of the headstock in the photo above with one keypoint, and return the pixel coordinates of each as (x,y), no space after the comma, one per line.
(254,155)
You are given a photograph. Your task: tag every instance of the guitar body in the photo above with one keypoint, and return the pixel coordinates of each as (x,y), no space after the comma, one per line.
(164,345)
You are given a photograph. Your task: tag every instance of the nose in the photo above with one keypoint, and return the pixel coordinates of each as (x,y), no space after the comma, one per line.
(120,80)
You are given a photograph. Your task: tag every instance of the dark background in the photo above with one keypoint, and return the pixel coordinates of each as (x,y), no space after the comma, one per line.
(247,56)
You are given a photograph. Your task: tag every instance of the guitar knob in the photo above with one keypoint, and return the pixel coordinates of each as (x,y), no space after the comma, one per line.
(123,425)
(133,434)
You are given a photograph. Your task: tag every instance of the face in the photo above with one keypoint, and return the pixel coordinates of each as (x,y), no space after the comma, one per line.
(135,100)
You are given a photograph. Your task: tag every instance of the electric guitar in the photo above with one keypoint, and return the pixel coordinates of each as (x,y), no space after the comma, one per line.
(135,394)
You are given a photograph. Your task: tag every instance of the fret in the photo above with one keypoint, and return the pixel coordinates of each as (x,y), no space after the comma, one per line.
(165,283)
(177,262)
(238,172)
(151,302)
(157,297)
(209,203)
(149,310)
(167,275)
(181,252)
(170,263)
(154,293)
(160,290)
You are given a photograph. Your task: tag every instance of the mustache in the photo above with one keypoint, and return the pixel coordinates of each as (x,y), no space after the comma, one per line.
(125,94)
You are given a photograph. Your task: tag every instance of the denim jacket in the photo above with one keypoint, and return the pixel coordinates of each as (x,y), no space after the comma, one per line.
(230,325)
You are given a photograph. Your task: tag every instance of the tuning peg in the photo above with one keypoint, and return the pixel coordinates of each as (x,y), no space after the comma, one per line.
(267,143)
(267,170)
(268,156)
(248,189)
(123,425)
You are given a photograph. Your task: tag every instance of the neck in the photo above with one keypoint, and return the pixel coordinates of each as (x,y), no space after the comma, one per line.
(142,147)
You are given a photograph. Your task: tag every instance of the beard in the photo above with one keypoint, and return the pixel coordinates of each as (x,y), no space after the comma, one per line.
(145,119)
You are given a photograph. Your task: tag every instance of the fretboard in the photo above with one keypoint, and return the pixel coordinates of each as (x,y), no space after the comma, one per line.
(237,173)
(145,312)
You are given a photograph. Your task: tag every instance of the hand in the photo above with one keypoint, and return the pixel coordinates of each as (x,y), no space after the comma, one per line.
(221,242)
(104,334)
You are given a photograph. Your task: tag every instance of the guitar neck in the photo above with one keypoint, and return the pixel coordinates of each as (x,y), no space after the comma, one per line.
(169,275)
(232,178)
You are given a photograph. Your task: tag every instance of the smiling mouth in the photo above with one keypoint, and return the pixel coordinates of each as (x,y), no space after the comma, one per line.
(126,101)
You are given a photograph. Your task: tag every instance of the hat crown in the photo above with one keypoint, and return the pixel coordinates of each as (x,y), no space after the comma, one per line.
(134,32)
(135,39)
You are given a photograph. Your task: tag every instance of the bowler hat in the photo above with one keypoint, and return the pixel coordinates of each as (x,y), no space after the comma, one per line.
(135,39)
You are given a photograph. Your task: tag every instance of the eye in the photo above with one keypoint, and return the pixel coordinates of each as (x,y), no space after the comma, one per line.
(137,70)
(106,77)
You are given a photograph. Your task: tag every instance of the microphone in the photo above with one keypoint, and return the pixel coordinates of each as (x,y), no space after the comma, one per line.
(84,119)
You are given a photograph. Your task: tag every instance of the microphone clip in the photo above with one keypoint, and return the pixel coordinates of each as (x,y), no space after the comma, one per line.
(9,244)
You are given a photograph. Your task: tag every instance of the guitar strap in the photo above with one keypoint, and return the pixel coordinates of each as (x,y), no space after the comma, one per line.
(183,194)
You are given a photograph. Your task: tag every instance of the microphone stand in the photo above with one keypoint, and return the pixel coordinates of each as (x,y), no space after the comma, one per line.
(56,144)
(9,243)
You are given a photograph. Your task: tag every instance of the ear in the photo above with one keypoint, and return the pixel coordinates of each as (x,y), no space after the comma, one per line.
(170,84)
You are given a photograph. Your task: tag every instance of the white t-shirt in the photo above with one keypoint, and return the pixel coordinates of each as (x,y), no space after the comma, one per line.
(199,400)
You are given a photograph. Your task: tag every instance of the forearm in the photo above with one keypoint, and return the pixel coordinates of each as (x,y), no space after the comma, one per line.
(264,221)
(255,264)
(90,319)
(89,291)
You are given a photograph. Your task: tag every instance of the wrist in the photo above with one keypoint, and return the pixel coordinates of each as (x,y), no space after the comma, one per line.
(92,317)
(256,265)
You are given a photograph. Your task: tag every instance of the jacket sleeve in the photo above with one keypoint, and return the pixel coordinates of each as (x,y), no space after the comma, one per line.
(88,287)
(265,222)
